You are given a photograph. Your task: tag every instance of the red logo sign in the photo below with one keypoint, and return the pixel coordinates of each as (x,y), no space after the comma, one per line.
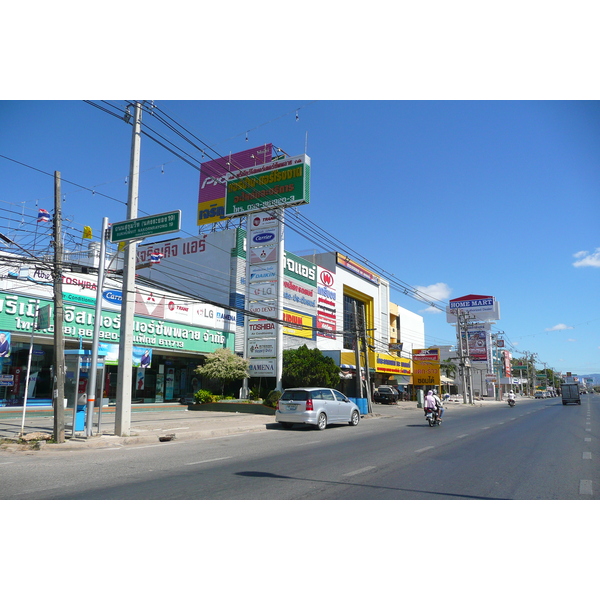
(327,278)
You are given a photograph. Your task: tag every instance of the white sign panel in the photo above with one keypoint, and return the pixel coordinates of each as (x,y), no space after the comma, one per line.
(264,254)
(263,272)
(262,237)
(265,367)
(267,290)
(262,348)
(260,328)
(263,219)
(265,309)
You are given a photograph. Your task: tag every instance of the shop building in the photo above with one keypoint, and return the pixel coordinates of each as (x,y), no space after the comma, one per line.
(171,330)
(320,294)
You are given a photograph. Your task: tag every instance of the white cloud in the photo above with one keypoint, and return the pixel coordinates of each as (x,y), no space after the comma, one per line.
(439,292)
(559,327)
(571,340)
(587,259)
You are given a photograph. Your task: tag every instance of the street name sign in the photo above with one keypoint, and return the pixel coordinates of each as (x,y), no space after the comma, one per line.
(133,229)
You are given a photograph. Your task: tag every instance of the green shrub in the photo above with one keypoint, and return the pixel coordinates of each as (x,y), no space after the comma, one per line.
(272,398)
(204,397)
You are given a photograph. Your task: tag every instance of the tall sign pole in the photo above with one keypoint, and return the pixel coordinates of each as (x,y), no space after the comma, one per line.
(58,365)
(125,375)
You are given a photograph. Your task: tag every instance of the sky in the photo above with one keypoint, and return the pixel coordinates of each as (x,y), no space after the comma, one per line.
(497,198)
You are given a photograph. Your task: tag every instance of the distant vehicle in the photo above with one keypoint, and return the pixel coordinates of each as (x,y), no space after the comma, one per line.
(315,406)
(539,395)
(570,393)
(385,394)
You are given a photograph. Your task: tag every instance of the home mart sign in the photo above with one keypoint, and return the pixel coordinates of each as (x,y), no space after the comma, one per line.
(17,315)
(483,308)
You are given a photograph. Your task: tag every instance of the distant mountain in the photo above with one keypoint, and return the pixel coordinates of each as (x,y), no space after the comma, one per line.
(594,376)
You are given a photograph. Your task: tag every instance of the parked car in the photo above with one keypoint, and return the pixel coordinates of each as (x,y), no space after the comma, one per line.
(539,395)
(315,406)
(386,394)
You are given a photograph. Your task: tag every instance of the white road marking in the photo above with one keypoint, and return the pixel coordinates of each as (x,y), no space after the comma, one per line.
(585,487)
(208,460)
(587,455)
(358,471)
(463,435)
(160,444)
(425,449)
(587,439)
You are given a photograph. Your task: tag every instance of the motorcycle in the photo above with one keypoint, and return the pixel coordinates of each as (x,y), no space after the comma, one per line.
(511,402)
(432,417)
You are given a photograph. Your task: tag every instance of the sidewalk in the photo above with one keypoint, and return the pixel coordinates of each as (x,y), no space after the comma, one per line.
(155,424)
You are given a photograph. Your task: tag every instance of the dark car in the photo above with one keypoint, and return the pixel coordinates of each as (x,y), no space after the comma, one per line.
(386,394)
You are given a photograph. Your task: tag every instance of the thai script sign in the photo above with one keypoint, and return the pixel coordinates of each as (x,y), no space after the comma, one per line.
(145,226)
(17,313)
(263,187)
(385,363)
(359,270)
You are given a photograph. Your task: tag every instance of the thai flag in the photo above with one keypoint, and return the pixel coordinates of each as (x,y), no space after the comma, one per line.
(43,215)
(155,257)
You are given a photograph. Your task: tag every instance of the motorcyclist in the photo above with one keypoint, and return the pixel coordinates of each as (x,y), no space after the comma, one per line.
(430,402)
(511,396)
(439,405)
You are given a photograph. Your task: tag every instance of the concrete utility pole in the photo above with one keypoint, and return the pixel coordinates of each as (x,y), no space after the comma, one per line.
(58,365)
(462,322)
(366,353)
(96,338)
(124,375)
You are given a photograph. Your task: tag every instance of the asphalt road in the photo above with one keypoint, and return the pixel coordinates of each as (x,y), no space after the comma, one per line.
(537,450)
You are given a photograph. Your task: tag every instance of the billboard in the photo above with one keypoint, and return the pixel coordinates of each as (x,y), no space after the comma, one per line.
(213,175)
(265,187)
(483,308)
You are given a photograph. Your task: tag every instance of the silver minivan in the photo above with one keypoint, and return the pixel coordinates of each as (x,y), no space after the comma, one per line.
(315,406)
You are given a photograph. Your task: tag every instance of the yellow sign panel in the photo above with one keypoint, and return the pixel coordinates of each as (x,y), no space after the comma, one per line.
(211,211)
(305,324)
(386,363)
(426,374)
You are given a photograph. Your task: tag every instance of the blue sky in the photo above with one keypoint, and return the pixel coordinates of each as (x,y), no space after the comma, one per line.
(494,198)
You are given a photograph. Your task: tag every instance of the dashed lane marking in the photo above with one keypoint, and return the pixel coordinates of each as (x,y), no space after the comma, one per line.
(587,455)
(585,487)
(208,460)
(424,449)
(358,471)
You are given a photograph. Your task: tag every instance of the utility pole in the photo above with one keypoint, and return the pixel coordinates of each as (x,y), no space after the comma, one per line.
(124,375)
(58,365)
(357,352)
(366,354)
(464,360)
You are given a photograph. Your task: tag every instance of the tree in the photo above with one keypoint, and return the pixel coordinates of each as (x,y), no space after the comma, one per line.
(303,368)
(224,366)
(448,368)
